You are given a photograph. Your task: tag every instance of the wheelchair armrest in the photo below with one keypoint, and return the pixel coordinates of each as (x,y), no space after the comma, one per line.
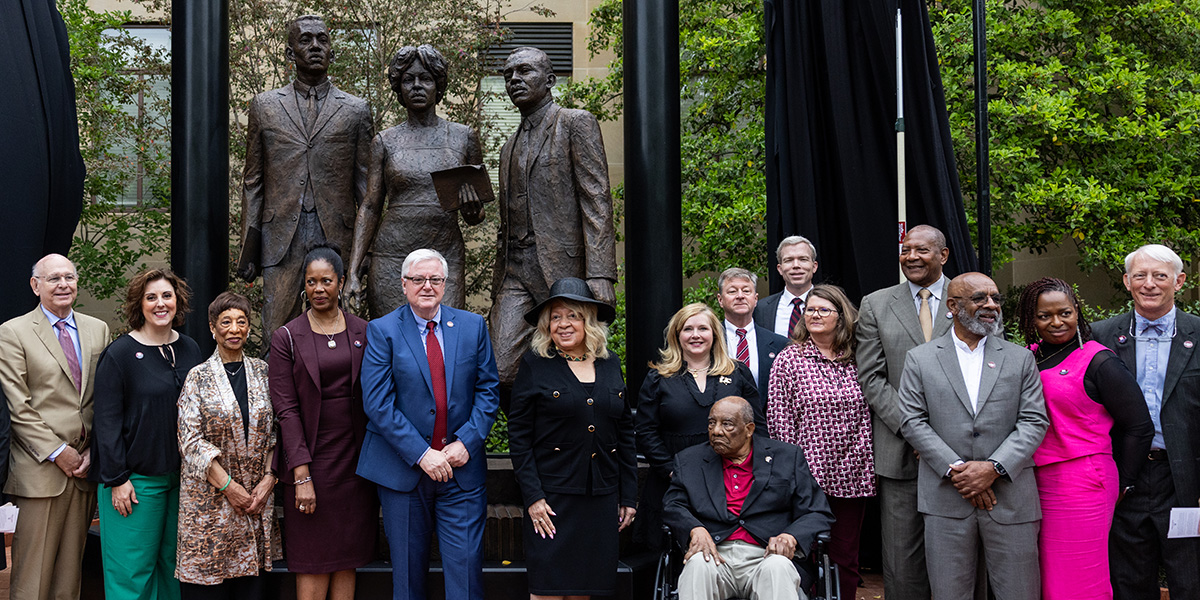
(824,537)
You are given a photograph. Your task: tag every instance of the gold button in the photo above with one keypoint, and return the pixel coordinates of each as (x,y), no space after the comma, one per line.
(620,394)
(593,455)
(589,401)
(591,427)
(555,393)
(558,449)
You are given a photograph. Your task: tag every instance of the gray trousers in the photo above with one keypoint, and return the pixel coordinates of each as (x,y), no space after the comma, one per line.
(746,573)
(1010,550)
(905,576)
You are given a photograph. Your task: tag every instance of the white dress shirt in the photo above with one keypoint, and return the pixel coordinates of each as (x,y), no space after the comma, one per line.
(783,312)
(731,343)
(970,362)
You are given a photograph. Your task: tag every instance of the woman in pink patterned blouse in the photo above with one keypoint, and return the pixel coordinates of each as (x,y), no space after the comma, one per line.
(815,402)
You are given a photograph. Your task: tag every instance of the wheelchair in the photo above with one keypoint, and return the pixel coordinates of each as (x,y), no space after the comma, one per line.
(818,575)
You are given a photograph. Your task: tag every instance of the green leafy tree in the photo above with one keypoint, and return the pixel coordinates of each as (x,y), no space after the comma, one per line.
(1094,110)
(723,143)
(113,73)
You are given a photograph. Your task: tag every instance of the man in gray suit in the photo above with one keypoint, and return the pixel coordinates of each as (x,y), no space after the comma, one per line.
(307,148)
(973,409)
(891,322)
(1157,342)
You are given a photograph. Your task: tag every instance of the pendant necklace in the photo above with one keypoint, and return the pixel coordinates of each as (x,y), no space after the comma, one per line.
(332,343)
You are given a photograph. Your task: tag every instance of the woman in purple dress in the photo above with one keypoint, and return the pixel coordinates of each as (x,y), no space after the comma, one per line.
(330,514)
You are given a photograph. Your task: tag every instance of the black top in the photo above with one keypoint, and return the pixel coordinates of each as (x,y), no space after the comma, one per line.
(237,380)
(136,415)
(1109,383)
(673,412)
(566,439)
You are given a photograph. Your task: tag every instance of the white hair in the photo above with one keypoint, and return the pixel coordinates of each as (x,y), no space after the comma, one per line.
(792,240)
(422,255)
(1156,253)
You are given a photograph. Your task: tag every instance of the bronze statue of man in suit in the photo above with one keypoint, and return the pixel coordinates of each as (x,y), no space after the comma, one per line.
(556,215)
(307,146)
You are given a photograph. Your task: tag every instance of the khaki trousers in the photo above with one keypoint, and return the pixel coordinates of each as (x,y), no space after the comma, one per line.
(745,574)
(47,548)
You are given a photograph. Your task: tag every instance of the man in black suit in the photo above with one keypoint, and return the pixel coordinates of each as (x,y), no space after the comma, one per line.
(756,346)
(1157,343)
(797,258)
(735,497)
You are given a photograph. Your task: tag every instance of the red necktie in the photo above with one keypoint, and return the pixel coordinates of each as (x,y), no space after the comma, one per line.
(797,311)
(68,348)
(743,348)
(437,370)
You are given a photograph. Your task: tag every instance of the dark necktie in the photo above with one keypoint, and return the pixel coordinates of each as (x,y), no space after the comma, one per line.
(437,371)
(797,312)
(310,112)
(68,348)
(743,348)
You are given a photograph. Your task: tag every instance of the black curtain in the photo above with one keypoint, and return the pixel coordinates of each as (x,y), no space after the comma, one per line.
(41,169)
(831,138)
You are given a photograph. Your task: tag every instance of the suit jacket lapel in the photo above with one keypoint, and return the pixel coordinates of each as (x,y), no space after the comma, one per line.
(762,474)
(549,122)
(1181,351)
(45,332)
(906,312)
(357,349)
(948,355)
(449,349)
(993,354)
(408,331)
(333,103)
(87,341)
(287,99)
(941,319)
(714,482)
(304,342)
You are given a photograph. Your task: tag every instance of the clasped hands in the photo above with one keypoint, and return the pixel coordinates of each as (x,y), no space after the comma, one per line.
(439,465)
(252,502)
(73,462)
(702,542)
(973,480)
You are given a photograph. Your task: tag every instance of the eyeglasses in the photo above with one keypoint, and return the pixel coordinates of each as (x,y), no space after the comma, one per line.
(819,311)
(57,279)
(420,281)
(980,299)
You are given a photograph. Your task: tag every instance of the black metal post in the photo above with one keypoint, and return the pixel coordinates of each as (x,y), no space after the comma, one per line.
(200,154)
(983,186)
(653,225)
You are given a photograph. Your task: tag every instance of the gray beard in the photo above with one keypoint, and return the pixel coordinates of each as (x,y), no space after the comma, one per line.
(979,328)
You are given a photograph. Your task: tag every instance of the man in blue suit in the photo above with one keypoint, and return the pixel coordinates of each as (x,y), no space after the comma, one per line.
(429,390)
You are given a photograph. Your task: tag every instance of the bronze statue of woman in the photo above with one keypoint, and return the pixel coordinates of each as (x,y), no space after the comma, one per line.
(402,158)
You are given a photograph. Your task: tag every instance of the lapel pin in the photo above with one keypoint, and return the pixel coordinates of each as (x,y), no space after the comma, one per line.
(949,315)
(139,355)
(1121,339)
(1064,372)
(768,459)
(725,380)
(449,323)
(771,355)
(991,365)
(357,344)
(1187,343)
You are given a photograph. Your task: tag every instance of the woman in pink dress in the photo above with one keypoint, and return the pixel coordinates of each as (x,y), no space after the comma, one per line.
(814,402)
(1093,402)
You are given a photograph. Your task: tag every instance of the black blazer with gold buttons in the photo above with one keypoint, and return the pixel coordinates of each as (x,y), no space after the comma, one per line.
(562,439)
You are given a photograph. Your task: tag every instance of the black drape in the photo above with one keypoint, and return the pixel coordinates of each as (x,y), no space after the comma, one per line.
(41,169)
(831,139)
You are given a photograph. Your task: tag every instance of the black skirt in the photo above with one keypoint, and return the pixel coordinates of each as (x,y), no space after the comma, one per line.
(581,560)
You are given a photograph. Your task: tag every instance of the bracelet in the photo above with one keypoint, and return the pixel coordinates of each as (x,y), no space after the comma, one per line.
(303,481)
(227,482)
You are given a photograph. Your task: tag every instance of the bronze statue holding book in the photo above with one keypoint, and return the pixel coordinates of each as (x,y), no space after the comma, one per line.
(410,163)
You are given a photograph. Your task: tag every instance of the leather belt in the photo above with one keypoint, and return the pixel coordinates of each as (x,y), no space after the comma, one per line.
(1157,454)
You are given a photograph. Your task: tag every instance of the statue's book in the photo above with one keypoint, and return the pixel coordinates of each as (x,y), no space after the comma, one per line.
(447,182)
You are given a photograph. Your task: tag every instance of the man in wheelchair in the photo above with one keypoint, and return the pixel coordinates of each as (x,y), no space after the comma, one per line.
(750,508)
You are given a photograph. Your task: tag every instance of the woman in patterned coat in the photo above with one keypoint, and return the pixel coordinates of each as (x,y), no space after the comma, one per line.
(814,402)
(227,534)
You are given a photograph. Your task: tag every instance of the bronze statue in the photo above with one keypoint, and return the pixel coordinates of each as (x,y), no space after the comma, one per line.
(402,158)
(556,213)
(306,172)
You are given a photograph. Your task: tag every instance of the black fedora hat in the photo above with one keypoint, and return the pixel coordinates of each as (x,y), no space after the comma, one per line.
(572,288)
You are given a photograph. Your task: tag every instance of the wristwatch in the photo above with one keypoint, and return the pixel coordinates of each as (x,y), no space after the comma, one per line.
(999,468)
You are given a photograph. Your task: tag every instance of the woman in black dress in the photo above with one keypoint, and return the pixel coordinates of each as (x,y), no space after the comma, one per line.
(693,372)
(330,513)
(135,452)
(571,441)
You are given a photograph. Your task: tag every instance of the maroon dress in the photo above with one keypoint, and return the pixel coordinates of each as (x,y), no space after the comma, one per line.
(340,534)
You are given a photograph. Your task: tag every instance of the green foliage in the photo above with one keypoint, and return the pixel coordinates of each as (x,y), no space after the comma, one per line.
(723,143)
(1094,108)
(112,70)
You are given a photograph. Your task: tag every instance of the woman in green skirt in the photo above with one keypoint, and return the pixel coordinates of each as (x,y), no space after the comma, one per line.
(135,452)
